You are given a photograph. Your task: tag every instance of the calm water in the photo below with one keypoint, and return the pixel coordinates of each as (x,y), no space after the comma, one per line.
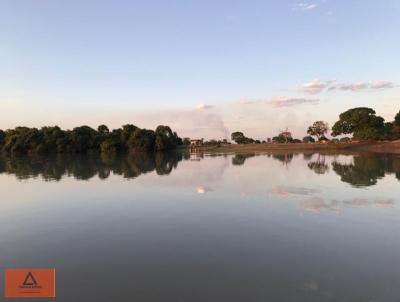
(174,227)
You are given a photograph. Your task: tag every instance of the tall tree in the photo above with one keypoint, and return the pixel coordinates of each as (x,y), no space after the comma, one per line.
(287,135)
(361,122)
(238,137)
(318,129)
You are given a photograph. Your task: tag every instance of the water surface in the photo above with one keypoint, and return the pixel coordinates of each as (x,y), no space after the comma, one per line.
(198,227)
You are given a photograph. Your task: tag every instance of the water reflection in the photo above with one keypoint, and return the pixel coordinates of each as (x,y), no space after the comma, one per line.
(284,158)
(359,170)
(318,166)
(239,159)
(220,227)
(366,170)
(85,167)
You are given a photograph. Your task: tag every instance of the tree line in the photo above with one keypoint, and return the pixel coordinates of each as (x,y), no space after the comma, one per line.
(361,122)
(83,139)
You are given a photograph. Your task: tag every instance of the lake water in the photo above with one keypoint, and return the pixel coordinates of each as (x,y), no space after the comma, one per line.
(196,227)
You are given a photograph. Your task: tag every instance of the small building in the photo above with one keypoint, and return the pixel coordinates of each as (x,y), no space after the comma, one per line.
(196,142)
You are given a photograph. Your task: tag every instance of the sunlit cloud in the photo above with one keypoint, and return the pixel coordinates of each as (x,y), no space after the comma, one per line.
(204,107)
(289,102)
(317,86)
(280,101)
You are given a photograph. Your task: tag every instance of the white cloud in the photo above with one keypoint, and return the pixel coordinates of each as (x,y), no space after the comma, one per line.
(307,6)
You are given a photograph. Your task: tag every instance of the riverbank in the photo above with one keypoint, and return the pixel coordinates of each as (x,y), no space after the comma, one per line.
(378,147)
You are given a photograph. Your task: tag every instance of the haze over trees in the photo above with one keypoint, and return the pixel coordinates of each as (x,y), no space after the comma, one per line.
(129,138)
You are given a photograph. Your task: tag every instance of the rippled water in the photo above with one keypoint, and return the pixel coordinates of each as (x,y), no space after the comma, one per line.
(196,227)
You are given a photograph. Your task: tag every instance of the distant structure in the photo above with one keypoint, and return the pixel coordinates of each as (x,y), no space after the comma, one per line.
(196,142)
(195,145)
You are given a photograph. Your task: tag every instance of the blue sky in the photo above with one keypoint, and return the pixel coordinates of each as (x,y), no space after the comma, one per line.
(207,68)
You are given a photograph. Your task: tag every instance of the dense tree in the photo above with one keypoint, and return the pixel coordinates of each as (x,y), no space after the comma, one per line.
(240,138)
(318,129)
(165,138)
(125,133)
(84,138)
(397,119)
(395,128)
(287,135)
(284,137)
(142,140)
(103,130)
(2,138)
(24,140)
(54,139)
(361,122)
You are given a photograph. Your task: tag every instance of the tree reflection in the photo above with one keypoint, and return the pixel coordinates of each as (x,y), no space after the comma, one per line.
(84,167)
(285,158)
(319,166)
(239,159)
(366,170)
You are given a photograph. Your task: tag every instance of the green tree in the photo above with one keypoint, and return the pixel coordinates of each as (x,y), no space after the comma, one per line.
(397,119)
(318,129)
(23,140)
(84,138)
(285,136)
(142,140)
(103,129)
(238,137)
(165,138)
(361,122)
(2,138)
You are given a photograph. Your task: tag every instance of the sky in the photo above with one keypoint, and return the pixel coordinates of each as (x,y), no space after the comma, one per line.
(206,68)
